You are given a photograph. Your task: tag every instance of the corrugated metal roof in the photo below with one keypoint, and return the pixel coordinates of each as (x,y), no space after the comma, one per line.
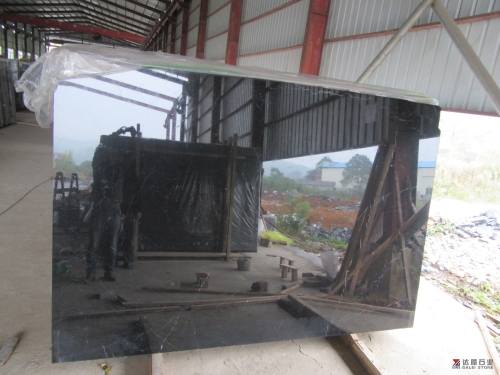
(353,17)
(281,29)
(424,61)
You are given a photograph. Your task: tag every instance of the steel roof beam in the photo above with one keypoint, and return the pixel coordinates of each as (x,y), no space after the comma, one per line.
(109,95)
(118,6)
(38,21)
(134,88)
(314,37)
(468,54)
(139,4)
(162,76)
(56,12)
(396,38)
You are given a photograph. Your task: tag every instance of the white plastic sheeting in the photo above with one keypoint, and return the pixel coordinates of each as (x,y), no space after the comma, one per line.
(40,81)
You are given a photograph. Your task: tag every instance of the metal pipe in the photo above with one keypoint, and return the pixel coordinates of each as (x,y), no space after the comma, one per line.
(409,23)
(468,54)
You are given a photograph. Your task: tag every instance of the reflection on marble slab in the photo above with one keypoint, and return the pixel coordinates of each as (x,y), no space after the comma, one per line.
(156,227)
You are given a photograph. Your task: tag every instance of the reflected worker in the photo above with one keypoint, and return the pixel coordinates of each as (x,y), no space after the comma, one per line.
(106,196)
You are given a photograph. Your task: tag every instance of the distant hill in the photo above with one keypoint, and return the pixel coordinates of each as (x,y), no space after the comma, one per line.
(82,150)
(289,169)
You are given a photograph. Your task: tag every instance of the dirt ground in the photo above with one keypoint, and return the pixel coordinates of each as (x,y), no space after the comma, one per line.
(323,211)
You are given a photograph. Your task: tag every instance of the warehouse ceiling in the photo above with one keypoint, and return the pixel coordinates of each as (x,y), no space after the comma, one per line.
(331,38)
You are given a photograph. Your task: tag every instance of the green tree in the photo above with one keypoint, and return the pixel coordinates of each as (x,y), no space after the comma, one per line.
(278,182)
(298,211)
(65,164)
(311,175)
(357,171)
(85,169)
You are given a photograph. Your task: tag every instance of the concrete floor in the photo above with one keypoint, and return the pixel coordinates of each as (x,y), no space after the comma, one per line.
(443,329)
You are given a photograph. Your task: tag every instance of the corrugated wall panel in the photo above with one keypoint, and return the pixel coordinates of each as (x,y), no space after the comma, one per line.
(191,52)
(216,48)
(311,120)
(254,8)
(425,61)
(194,17)
(192,37)
(285,61)
(213,5)
(353,17)
(281,29)
(218,22)
(236,109)
(205,106)
(178,45)
(178,29)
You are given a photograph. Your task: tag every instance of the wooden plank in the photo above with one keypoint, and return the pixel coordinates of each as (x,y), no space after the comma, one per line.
(157,364)
(388,242)
(370,227)
(113,313)
(232,175)
(291,289)
(220,302)
(487,339)
(8,349)
(496,319)
(361,352)
(167,254)
(357,305)
(406,263)
(205,291)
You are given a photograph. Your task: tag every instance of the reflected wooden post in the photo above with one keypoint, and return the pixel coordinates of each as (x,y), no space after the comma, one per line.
(135,236)
(227,218)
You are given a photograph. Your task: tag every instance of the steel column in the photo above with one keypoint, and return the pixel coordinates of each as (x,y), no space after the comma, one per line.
(314,37)
(5,41)
(45,22)
(32,42)
(233,36)
(185,28)
(407,25)
(16,52)
(173,28)
(25,40)
(202,30)
(468,54)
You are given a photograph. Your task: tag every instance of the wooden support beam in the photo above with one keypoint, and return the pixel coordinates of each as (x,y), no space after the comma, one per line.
(363,354)
(312,48)
(370,226)
(233,36)
(219,302)
(202,30)
(205,291)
